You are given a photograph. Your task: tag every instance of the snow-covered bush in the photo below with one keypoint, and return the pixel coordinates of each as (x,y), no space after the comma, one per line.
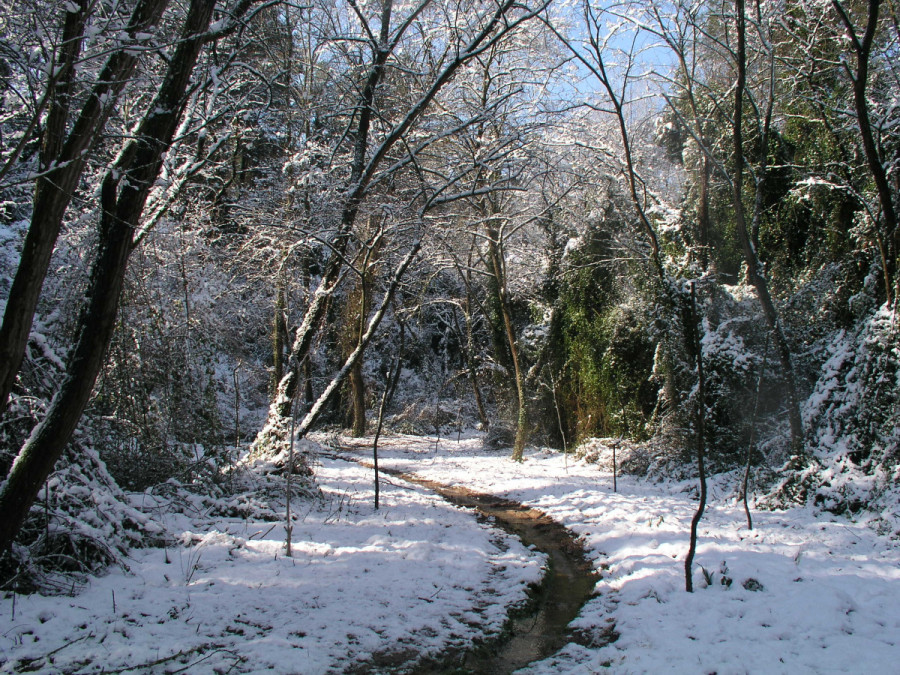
(81,523)
(853,416)
(741,374)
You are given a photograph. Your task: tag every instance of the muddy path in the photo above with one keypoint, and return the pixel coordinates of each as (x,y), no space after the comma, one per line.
(532,633)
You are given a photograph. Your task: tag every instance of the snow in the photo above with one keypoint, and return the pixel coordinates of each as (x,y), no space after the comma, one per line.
(808,593)
(360,581)
(803,592)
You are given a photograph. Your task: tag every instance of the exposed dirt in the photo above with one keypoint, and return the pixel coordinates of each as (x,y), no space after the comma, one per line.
(532,633)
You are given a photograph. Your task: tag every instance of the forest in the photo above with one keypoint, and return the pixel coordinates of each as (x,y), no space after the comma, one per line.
(642,244)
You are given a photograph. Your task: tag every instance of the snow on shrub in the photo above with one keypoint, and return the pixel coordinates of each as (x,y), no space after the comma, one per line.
(853,416)
(81,523)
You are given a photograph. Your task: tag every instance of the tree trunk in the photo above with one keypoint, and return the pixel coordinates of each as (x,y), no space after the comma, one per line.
(308,395)
(44,447)
(703,218)
(358,400)
(496,259)
(60,86)
(123,196)
(745,480)
(701,447)
(54,190)
(279,333)
(357,380)
(890,240)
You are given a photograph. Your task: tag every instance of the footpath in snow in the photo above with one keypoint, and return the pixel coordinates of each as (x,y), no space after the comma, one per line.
(803,592)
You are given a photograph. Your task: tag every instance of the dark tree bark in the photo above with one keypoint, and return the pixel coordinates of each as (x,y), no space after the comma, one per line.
(63,163)
(60,87)
(357,380)
(495,256)
(889,242)
(701,447)
(124,193)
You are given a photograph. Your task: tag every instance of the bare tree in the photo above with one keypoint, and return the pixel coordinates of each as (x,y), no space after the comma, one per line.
(861,38)
(700,417)
(62,159)
(124,192)
(373,147)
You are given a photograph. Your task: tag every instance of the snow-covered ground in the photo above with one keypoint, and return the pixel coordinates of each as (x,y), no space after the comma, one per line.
(414,577)
(801,593)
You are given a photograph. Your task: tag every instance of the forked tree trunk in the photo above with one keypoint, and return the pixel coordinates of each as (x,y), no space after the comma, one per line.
(124,193)
(40,453)
(54,190)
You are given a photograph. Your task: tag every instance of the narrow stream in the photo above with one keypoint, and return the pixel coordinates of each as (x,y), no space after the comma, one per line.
(540,629)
